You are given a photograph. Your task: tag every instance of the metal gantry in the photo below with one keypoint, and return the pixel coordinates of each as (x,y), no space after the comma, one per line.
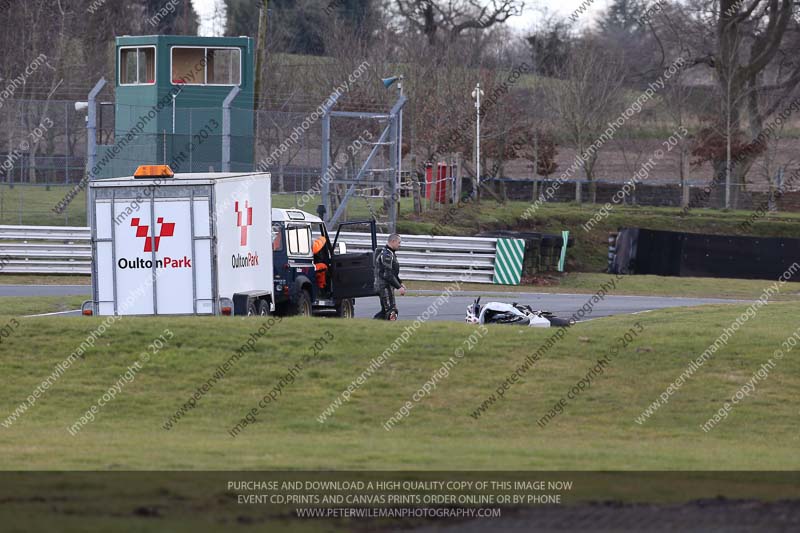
(390,136)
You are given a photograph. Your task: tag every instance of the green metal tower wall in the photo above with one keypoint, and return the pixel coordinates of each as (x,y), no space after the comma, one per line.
(143,131)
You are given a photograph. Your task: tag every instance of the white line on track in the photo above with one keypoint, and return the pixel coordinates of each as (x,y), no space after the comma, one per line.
(41,285)
(52,314)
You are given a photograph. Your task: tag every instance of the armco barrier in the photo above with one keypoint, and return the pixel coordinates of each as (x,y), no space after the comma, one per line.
(45,250)
(423,257)
(67,250)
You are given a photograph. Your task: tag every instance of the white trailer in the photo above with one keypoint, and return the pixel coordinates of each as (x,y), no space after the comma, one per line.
(169,244)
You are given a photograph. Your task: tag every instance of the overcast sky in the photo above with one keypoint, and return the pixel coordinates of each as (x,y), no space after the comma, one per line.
(205,8)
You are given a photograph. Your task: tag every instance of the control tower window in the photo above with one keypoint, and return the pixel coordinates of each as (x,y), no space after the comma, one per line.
(206,66)
(223,66)
(137,65)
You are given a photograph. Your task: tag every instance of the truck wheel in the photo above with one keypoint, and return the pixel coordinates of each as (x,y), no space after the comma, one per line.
(302,306)
(263,307)
(345,308)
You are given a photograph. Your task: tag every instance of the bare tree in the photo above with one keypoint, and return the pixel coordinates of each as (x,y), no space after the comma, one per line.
(773,170)
(550,43)
(441,110)
(585,99)
(679,97)
(687,96)
(447,19)
(754,57)
(39,58)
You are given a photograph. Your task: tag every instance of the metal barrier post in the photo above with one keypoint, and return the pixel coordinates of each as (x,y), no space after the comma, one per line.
(226,129)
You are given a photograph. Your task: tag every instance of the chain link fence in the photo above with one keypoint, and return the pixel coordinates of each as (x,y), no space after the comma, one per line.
(43,155)
(43,152)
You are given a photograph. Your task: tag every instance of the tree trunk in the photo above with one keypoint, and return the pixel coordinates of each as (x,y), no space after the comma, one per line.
(503,185)
(771,205)
(261,53)
(685,189)
(739,196)
(415,187)
(738,173)
(716,198)
(682,174)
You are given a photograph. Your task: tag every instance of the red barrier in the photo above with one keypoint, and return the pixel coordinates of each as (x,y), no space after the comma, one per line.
(436,186)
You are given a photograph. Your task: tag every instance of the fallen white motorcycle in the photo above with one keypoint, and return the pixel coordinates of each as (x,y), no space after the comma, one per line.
(513,314)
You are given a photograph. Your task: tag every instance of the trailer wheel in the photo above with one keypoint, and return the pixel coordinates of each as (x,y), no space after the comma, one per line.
(302,306)
(345,308)
(263,307)
(251,308)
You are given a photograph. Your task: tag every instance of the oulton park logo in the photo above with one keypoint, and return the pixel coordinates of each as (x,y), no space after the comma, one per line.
(244,219)
(165,229)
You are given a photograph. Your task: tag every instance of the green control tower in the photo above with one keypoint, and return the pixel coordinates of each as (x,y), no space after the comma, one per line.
(185,101)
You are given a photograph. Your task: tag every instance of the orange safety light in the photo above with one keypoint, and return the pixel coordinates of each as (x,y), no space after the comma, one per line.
(153,171)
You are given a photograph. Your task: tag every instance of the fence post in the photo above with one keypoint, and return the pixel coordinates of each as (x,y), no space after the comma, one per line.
(91,126)
(325,163)
(191,145)
(226,129)
(393,164)
(66,138)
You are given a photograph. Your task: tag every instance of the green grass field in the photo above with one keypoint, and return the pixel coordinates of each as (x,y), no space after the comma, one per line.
(45,279)
(33,204)
(30,305)
(596,432)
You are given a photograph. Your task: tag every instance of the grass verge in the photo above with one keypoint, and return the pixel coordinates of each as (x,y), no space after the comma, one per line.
(597,431)
(44,279)
(34,305)
(587,283)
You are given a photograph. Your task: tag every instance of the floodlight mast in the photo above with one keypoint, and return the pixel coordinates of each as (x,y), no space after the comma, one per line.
(398,150)
(476,94)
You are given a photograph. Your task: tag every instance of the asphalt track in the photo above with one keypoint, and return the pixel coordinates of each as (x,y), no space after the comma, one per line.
(562,305)
(45,290)
(415,303)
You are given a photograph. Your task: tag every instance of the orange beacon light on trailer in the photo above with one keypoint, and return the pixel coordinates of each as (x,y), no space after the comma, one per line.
(153,171)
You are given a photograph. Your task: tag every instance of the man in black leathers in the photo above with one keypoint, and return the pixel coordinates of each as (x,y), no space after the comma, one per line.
(387,277)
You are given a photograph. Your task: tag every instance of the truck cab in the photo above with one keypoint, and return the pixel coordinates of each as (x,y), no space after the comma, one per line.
(313,273)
